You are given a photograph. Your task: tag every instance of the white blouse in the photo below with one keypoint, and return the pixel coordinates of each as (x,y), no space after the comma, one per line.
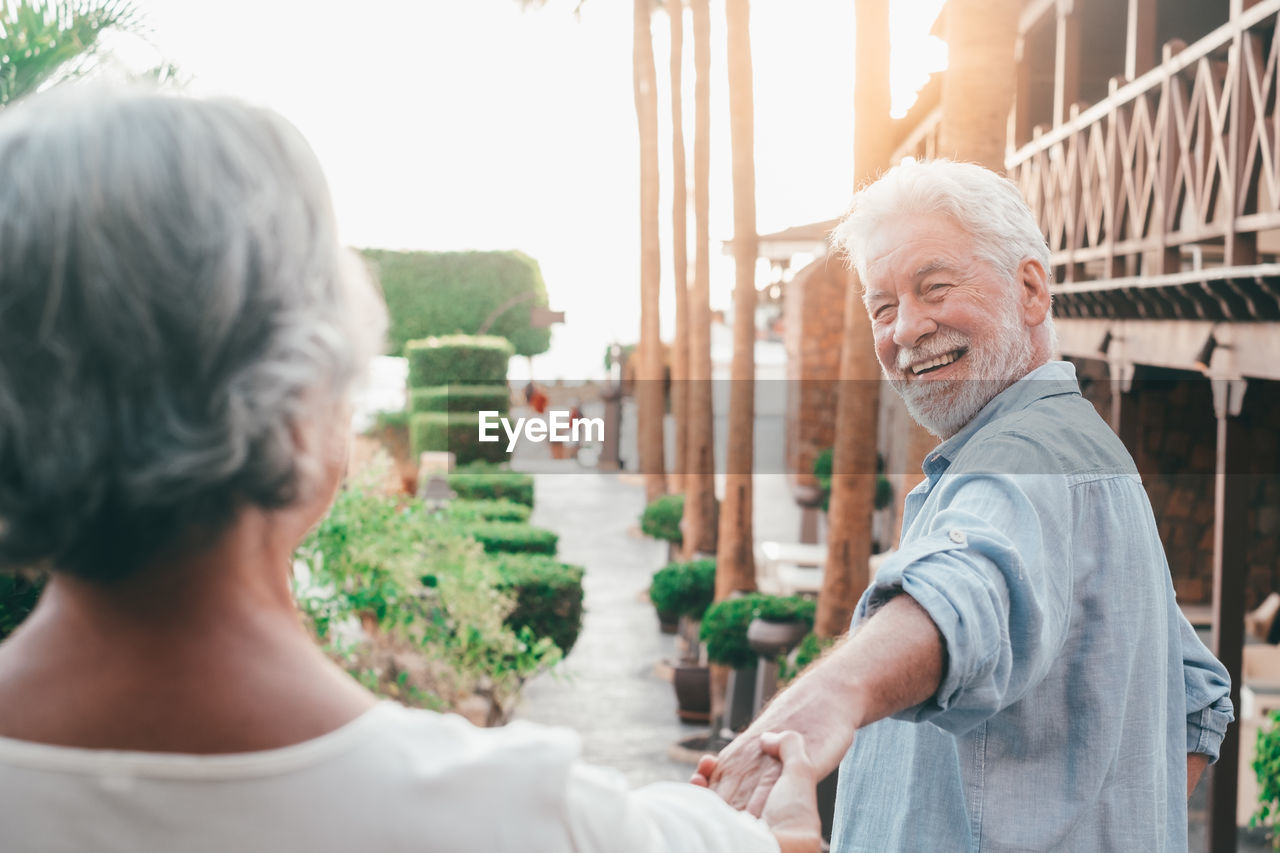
(394,779)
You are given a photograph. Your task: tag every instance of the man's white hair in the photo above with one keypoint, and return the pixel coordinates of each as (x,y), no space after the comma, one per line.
(986,205)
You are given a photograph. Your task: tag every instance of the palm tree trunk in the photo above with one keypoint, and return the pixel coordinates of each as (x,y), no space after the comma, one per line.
(679,256)
(735,564)
(978,86)
(700,490)
(857,408)
(649,392)
(977,94)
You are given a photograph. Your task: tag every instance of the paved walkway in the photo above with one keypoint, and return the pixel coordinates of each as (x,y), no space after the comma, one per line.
(606,689)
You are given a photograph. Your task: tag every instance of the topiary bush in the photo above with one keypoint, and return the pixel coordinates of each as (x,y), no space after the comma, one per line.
(456,432)
(462,510)
(513,537)
(661,518)
(724,625)
(460,398)
(443,293)
(548,596)
(458,360)
(483,481)
(685,589)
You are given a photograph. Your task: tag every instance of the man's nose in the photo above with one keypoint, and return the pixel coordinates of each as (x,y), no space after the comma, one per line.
(912,324)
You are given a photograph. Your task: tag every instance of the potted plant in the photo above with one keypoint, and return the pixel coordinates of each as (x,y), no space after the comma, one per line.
(661,520)
(684,591)
(724,630)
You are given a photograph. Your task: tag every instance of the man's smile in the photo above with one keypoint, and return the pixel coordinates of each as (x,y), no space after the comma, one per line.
(935,363)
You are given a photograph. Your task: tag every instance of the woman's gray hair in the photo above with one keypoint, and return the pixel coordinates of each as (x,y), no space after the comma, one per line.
(176,313)
(987,206)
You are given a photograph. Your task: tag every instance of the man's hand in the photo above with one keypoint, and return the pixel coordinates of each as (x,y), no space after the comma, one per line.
(789,799)
(1196,763)
(743,774)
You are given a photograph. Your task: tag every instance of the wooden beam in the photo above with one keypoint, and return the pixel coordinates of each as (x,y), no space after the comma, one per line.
(1232,490)
(1140,39)
(1066,73)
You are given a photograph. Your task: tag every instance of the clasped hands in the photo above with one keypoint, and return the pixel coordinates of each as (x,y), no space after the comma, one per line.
(770,775)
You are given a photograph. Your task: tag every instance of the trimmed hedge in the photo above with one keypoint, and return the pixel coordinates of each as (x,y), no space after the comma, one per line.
(460,398)
(822,472)
(486,510)
(548,596)
(444,293)
(685,589)
(458,360)
(457,432)
(478,483)
(661,518)
(512,537)
(724,625)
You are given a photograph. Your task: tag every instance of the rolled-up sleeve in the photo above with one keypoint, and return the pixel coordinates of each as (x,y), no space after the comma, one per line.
(993,572)
(1208,687)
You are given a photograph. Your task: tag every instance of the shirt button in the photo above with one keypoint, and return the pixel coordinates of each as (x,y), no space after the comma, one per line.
(958,537)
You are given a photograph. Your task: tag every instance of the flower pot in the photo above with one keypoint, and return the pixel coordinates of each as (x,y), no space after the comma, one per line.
(773,640)
(740,699)
(693,692)
(668,621)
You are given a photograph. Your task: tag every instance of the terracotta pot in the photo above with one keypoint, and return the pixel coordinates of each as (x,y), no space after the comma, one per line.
(693,692)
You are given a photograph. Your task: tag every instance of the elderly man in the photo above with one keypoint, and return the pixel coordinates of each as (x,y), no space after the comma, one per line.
(1018,675)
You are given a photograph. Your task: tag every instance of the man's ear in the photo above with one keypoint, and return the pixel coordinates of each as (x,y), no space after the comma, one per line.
(1033,290)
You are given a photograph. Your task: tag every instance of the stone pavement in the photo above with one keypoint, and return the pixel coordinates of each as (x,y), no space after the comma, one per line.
(607,689)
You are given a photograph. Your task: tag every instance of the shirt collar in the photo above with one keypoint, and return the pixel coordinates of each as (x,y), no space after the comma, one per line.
(1051,379)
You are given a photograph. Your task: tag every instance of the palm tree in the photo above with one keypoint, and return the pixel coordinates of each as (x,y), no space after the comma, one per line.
(857,407)
(977,88)
(679,254)
(649,394)
(43,42)
(977,94)
(700,508)
(735,564)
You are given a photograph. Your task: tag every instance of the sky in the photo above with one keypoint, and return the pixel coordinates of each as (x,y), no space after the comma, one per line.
(468,124)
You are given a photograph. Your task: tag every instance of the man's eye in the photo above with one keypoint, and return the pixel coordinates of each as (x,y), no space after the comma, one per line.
(937,286)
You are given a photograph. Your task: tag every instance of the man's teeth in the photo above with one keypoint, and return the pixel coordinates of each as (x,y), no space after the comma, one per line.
(940,361)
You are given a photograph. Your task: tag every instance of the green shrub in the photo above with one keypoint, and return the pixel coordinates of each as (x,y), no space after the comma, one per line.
(479,482)
(809,650)
(685,589)
(548,596)
(822,468)
(661,518)
(513,537)
(444,293)
(432,594)
(18,596)
(457,432)
(460,398)
(397,420)
(724,625)
(458,360)
(463,510)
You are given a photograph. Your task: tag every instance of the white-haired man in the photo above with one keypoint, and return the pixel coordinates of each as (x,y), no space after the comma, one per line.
(1019,675)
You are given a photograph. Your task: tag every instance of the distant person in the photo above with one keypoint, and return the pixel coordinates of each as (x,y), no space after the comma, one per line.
(1018,676)
(179,332)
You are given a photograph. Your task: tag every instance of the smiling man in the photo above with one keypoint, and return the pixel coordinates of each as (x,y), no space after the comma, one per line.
(1018,676)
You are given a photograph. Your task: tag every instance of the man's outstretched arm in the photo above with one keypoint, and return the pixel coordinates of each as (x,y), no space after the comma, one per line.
(894,661)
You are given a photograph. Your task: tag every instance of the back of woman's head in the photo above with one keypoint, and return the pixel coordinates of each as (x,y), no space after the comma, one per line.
(175,310)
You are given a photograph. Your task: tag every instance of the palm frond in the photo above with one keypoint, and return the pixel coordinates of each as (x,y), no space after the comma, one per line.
(44,41)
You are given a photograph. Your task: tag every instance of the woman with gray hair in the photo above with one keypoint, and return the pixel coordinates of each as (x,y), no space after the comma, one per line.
(179,332)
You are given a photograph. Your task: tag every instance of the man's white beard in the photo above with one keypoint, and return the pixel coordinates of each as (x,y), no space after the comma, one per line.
(944,406)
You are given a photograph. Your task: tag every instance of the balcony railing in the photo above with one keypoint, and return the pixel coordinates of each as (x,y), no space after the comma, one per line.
(1177,170)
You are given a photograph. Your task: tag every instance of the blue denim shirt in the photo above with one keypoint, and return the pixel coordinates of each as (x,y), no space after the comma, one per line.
(1073,687)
